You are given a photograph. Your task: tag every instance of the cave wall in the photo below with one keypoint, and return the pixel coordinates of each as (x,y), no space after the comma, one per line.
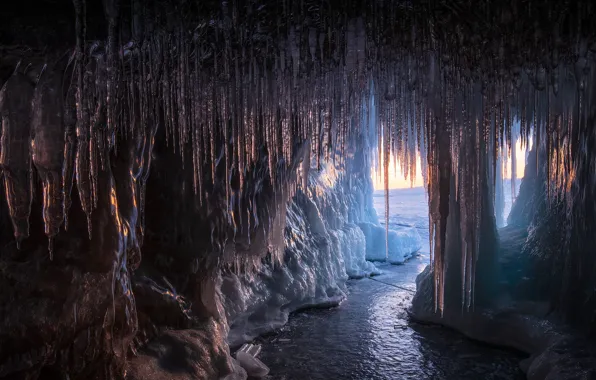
(555,209)
(66,299)
(558,213)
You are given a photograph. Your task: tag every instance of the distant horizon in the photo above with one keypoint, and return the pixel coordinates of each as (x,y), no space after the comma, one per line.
(397,181)
(382,189)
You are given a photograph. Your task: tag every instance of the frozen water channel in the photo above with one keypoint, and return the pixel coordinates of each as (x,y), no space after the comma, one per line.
(368,336)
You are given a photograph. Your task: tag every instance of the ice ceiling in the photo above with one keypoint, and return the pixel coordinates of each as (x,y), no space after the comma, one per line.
(448,79)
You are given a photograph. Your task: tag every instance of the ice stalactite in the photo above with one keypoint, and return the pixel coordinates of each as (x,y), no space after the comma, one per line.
(68,170)
(513,167)
(47,150)
(386,159)
(113,64)
(82,102)
(73,110)
(15,145)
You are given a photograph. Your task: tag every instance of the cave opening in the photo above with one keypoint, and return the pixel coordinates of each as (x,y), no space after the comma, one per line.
(178,177)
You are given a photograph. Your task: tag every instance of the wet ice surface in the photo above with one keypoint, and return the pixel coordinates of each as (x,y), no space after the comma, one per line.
(368,336)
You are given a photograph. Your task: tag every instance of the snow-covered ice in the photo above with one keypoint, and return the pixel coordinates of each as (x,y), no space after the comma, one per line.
(352,245)
(403,243)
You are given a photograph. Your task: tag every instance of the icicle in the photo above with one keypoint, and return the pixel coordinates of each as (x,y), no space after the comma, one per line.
(181,95)
(70,120)
(82,166)
(94,146)
(522,122)
(47,150)
(536,130)
(15,161)
(112,14)
(74,101)
(51,247)
(233,96)
(513,167)
(386,141)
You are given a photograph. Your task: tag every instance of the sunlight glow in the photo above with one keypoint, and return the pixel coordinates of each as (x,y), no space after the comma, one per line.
(397,180)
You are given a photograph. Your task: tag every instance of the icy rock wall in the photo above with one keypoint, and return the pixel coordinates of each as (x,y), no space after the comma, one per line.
(324,247)
(67,303)
(484,272)
(71,305)
(311,273)
(558,213)
(531,195)
(188,245)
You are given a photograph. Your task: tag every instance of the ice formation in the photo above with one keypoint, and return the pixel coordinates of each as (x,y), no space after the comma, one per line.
(353,247)
(312,83)
(232,104)
(322,250)
(403,243)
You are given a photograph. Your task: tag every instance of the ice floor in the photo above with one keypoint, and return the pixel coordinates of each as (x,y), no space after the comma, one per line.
(368,337)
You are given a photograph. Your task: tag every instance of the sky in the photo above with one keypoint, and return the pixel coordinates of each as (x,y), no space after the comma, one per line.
(399,182)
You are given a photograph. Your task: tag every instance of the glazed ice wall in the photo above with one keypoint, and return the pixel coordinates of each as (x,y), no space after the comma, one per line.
(323,247)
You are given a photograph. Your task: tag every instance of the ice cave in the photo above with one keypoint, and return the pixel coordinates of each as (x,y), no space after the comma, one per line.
(187,189)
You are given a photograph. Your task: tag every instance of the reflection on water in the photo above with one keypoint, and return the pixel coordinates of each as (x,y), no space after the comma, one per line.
(369,337)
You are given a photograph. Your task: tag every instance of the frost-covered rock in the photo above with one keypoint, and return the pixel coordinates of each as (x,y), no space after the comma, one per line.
(403,243)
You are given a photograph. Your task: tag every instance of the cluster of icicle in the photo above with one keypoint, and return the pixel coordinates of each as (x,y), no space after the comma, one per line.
(476,123)
(264,78)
